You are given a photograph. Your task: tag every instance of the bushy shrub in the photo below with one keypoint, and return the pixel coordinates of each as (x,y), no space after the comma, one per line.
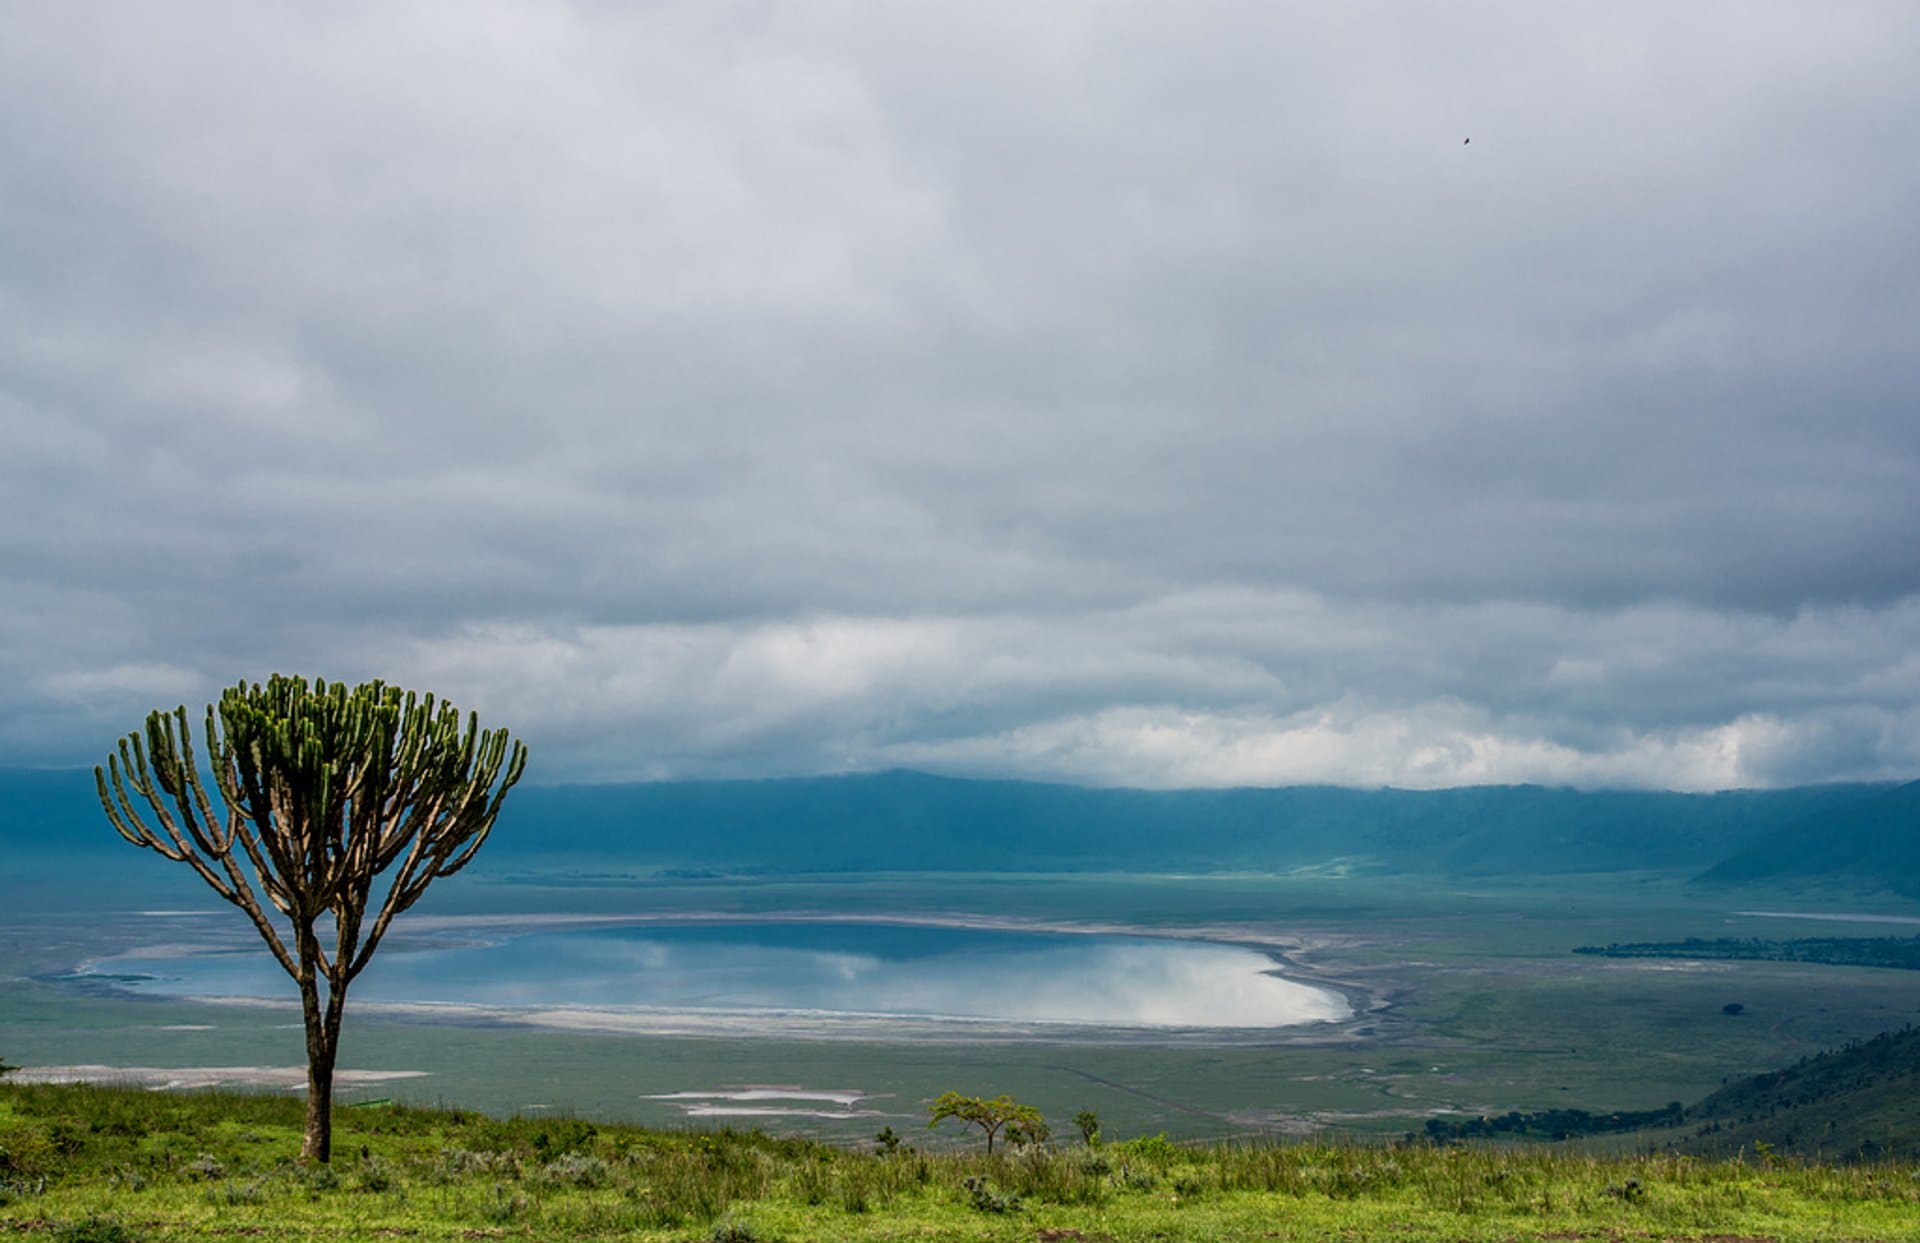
(376,1175)
(556,1137)
(1156,1149)
(578,1169)
(318,1178)
(733,1230)
(455,1164)
(985,1197)
(21,1188)
(1190,1185)
(237,1193)
(93,1230)
(206,1166)
(502,1206)
(26,1152)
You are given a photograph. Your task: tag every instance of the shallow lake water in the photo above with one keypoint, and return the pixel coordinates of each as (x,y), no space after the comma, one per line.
(824,969)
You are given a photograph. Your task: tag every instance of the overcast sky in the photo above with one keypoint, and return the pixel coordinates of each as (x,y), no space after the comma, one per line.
(1156,394)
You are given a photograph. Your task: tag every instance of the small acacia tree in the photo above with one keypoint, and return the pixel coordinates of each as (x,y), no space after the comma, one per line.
(338,806)
(1023,1123)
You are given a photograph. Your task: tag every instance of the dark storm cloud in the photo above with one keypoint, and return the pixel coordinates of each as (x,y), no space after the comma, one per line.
(1084,391)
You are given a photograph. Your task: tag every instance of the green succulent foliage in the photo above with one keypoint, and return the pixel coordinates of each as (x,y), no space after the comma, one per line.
(322,782)
(331,743)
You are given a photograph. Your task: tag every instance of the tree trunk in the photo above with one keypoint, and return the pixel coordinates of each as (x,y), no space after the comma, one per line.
(319,1141)
(321,1046)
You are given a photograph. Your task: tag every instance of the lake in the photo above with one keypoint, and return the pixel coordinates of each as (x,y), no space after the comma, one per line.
(759,974)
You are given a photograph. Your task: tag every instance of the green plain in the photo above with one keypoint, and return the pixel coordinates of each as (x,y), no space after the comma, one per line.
(117,1165)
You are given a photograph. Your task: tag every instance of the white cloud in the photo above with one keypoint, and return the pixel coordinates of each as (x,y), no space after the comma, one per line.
(722,389)
(1418,746)
(1216,689)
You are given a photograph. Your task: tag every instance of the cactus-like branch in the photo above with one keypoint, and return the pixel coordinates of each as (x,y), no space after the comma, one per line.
(203,846)
(325,789)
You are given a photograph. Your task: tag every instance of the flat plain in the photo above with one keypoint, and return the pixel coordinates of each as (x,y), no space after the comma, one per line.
(1471,1001)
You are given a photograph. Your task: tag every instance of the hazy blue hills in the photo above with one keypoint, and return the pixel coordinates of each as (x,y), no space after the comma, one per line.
(1873,839)
(914,821)
(905,820)
(52,810)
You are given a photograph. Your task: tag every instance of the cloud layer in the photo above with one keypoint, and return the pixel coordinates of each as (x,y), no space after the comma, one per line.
(1095,392)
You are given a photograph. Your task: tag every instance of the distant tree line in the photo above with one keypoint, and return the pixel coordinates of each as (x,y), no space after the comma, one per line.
(1902,953)
(1552,1123)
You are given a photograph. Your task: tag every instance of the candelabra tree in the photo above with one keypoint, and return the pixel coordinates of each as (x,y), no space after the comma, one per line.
(337,808)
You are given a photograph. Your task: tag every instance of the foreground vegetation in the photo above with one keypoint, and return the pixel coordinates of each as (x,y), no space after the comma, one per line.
(109,1164)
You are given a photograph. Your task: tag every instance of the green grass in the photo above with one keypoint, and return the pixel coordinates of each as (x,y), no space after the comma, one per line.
(107,1164)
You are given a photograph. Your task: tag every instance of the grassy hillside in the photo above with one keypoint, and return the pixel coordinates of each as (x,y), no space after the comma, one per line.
(1859,1102)
(109,1165)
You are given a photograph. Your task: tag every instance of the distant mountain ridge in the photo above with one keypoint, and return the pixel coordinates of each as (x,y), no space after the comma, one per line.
(1870,839)
(906,820)
(915,821)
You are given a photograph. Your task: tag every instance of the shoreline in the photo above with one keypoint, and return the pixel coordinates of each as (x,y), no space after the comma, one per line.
(191,1078)
(1364,1005)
